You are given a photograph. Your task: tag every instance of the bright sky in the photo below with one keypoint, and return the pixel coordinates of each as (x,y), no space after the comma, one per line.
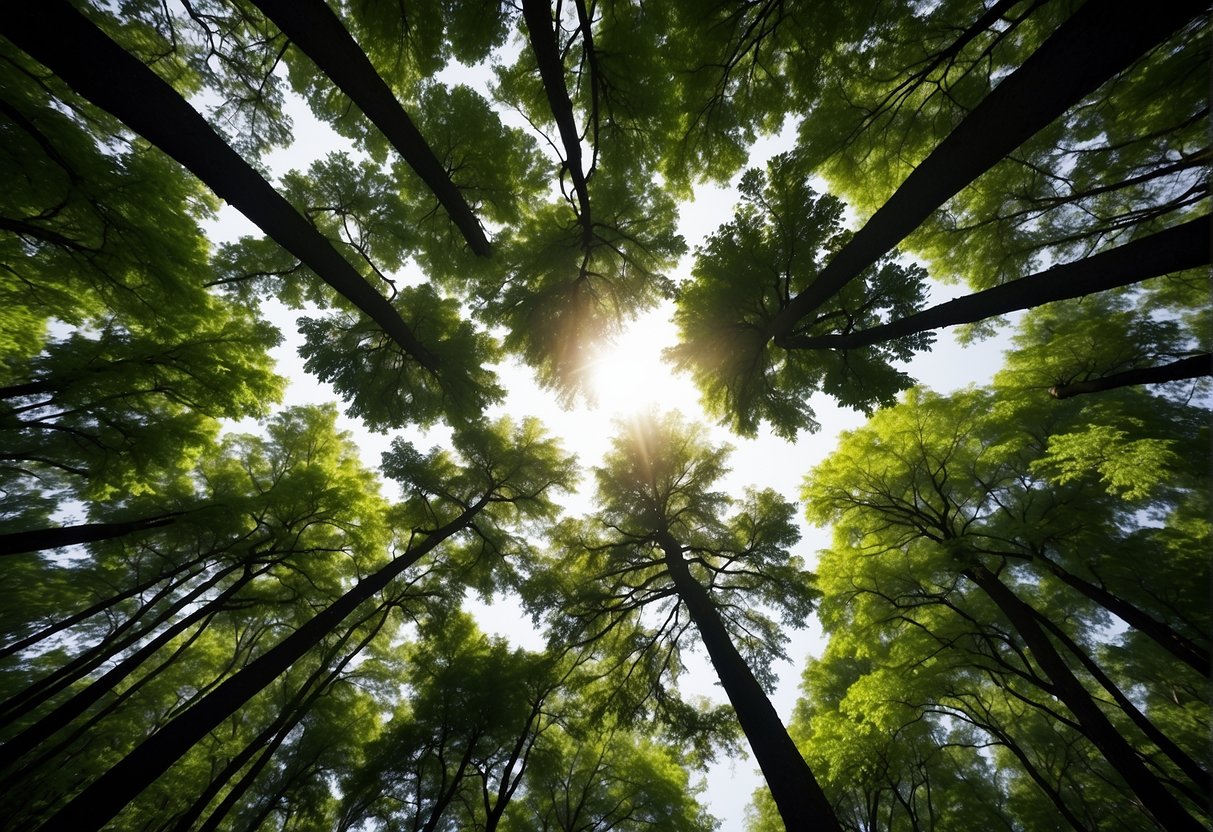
(630,375)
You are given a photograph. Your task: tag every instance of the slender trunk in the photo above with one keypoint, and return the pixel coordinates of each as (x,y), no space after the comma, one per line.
(68,44)
(1099,40)
(62,715)
(1178,645)
(1037,777)
(1160,803)
(801,802)
(1182,760)
(34,695)
(56,537)
(1182,247)
(101,606)
(318,32)
(102,799)
(1196,366)
(540,28)
(312,689)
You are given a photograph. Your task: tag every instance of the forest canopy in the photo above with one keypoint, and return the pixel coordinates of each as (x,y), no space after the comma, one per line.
(218,615)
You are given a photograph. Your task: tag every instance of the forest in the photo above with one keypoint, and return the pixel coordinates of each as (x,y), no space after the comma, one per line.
(216,615)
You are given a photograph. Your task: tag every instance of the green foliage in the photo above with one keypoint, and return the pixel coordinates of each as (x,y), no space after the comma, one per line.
(747,272)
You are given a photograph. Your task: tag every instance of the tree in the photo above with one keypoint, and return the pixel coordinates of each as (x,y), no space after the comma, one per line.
(209,629)
(660,548)
(974,519)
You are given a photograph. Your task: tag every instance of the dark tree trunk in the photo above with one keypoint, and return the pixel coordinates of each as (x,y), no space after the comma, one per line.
(37,540)
(62,715)
(103,605)
(34,695)
(102,799)
(317,684)
(801,802)
(1102,38)
(318,32)
(540,28)
(1196,366)
(1154,797)
(1182,247)
(1178,645)
(1191,769)
(68,44)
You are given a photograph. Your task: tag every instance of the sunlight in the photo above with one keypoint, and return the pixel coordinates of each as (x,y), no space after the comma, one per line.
(628,376)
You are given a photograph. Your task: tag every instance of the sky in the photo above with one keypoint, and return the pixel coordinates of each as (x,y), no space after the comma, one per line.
(633,377)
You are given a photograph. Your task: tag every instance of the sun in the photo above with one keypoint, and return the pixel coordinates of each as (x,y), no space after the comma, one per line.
(628,374)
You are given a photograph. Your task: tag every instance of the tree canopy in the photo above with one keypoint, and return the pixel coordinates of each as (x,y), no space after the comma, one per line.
(221,615)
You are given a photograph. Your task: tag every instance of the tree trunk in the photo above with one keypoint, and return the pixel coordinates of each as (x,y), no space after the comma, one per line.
(318,32)
(540,28)
(106,796)
(56,537)
(1191,769)
(68,44)
(102,606)
(1178,645)
(1102,38)
(1160,803)
(1182,247)
(1196,366)
(34,695)
(62,715)
(801,802)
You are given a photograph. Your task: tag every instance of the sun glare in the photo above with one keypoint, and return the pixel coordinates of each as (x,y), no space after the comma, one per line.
(628,374)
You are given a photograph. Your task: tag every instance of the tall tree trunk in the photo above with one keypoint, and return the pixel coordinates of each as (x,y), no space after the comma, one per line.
(1102,38)
(1196,366)
(34,695)
(102,799)
(318,32)
(1160,803)
(540,28)
(1181,247)
(316,685)
(1178,645)
(62,715)
(68,44)
(1191,769)
(103,605)
(56,537)
(801,802)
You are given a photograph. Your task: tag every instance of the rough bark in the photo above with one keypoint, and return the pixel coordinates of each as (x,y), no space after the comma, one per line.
(1154,797)
(318,32)
(106,796)
(1102,38)
(1182,247)
(1196,366)
(100,70)
(801,802)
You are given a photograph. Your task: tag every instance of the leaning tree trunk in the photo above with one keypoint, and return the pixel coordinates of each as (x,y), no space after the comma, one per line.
(1160,803)
(56,537)
(1196,366)
(1182,247)
(1099,40)
(68,44)
(317,31)
(106,796)
(801,802)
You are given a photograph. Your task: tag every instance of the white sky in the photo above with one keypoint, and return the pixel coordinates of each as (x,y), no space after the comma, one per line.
(634,376)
